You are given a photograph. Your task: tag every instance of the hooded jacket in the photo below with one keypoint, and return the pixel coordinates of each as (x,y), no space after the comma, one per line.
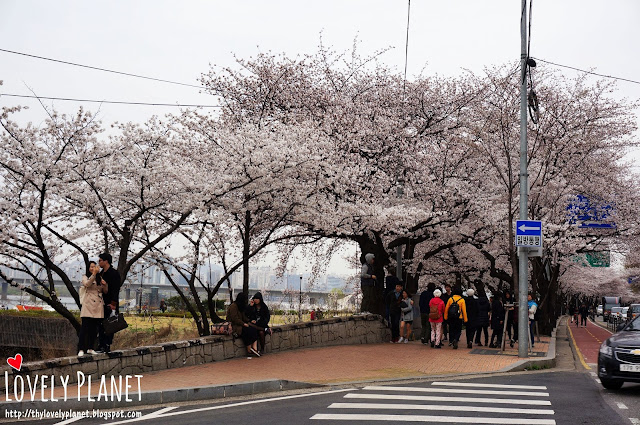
(367,272)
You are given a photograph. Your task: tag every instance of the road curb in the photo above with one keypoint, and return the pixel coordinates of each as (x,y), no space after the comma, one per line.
(150,398)
(547,362)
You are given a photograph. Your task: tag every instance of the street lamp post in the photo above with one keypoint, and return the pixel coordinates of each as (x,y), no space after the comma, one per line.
(300,302)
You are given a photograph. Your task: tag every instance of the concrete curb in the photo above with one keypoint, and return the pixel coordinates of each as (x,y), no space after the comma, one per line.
(547,362)
(148,398)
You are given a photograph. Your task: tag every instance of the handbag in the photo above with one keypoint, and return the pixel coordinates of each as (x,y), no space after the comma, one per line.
(114,323)
(223,328)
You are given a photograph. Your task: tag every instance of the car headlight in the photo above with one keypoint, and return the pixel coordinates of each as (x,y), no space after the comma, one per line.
(606,350)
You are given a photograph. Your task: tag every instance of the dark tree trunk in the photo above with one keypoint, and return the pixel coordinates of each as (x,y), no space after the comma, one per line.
(372,297)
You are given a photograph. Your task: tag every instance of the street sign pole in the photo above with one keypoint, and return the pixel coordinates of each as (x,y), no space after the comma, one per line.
(523,265)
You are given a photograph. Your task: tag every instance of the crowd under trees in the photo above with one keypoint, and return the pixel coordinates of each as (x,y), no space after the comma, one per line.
(320,151)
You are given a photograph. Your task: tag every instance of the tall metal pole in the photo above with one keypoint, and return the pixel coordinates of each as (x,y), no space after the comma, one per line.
(523,265)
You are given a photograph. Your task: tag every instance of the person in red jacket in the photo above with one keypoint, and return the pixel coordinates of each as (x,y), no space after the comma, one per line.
(436,316)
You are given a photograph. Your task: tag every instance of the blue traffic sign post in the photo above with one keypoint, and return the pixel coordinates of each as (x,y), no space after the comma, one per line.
(529,233)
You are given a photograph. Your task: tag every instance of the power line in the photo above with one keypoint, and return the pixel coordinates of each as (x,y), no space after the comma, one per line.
(588,72)
(115,102)
(406,48)
(100,69)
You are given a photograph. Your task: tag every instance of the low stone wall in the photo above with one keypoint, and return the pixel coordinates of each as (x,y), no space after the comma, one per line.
(360,329)
(36,336)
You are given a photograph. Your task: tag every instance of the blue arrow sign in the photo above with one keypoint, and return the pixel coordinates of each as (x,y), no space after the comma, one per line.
(529,233)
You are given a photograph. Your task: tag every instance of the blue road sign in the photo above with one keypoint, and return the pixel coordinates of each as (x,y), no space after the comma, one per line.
(529,233)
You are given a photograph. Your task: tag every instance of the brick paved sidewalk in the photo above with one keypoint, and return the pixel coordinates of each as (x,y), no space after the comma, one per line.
(337,364)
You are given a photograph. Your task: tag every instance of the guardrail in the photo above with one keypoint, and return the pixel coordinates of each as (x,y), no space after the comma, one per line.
(614,321)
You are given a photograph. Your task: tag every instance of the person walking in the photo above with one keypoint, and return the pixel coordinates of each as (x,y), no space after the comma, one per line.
(497,321)
(472,316)
(259,316)
(533,307)
(92,310)
(425,299)
(511,317)
(111,298)
(456,313)
(483,319)
(584,313)
(406,306)
(393,302)
(237,315)
(436,317)
(446,295)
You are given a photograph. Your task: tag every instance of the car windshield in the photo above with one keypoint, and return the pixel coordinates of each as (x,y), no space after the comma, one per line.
(635,308)
(634,325)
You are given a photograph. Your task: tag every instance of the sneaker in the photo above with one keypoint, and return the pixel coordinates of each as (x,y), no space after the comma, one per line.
(80,353)
(469,345)
(406,341)
(455,345)
(438,346)
(511,343)
(255,353)
(91,352)
(422,340)
(400,340)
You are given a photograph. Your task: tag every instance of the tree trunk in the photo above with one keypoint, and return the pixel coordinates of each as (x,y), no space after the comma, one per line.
(372,297)
(246,248)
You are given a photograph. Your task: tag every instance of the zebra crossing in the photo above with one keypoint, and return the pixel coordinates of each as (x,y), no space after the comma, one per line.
(445,402)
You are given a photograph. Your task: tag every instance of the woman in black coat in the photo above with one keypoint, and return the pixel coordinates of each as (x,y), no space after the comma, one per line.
(482,324)
(497,320)
(259,315)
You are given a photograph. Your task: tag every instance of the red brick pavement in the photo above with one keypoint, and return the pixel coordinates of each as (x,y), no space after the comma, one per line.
(588,340)
(336,364)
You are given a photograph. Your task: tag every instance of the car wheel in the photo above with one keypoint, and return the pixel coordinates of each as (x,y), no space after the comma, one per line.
(612,384)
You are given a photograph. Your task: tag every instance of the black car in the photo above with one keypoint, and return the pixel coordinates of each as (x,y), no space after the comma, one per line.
(619,358)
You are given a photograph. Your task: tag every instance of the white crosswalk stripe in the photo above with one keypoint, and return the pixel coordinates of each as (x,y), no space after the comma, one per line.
(445,402)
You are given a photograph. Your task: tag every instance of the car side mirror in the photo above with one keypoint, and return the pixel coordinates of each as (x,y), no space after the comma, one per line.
(620,327)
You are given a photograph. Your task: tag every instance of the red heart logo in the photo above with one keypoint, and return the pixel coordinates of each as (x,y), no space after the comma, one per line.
(15,362)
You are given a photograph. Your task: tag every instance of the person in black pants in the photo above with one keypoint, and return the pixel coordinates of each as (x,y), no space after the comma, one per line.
(497,321)
(446,294)
(584,313)
(472,316)
(483,319)
(111,298)
(393,301)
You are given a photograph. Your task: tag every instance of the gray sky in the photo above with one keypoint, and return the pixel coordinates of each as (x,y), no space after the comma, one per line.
(177,40)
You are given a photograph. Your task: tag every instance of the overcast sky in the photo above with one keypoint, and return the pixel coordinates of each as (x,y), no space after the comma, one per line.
(177,40)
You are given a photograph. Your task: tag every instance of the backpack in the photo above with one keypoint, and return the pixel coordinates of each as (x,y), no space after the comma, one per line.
(454,310)
(434,312)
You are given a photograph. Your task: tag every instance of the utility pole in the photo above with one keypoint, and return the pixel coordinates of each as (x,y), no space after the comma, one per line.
(300,302)
(523,265)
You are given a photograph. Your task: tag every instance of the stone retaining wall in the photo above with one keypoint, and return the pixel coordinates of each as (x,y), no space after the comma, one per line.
(360,329)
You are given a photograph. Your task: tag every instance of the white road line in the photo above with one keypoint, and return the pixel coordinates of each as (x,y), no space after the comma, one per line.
(440,407)
(457,391)
(437,419)
(224,406)
(481,385)
(598,381)
(635,421)
(449,399)
(621,405)
(69,421)
(593,374)
(153,415)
